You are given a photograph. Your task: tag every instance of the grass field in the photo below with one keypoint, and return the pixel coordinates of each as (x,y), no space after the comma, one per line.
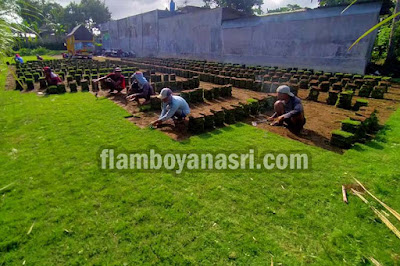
(81,215)
(28,58)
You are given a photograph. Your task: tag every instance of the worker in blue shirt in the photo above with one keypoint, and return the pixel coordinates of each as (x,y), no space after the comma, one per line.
(174,107)
(289,110)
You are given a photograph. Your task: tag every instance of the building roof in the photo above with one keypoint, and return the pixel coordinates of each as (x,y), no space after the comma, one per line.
(81,33)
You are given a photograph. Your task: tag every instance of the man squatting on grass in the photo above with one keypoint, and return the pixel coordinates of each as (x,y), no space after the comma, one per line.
(288,110)
(51,77)
(140,89)
(113,81)
(174,107)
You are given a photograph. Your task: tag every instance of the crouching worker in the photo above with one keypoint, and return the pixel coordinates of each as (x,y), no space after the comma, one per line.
(51,77)
(289,111)
(140,89)
(174,107)
(113,81)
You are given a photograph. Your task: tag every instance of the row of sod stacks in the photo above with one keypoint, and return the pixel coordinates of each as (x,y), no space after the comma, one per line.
(242,76)
(199,94)
(198,123)
(356,128)
(190,83)
(74,72)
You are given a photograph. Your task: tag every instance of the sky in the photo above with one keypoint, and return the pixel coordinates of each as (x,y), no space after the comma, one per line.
(126,8)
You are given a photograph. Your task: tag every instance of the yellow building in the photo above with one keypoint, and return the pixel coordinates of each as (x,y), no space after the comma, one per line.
(80,42)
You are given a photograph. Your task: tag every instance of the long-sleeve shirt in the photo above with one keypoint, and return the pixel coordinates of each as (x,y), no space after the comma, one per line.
(146,91)
(292,108)
(120,81)
(53,79)
(176,104)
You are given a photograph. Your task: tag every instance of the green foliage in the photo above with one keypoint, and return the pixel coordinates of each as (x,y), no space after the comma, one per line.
(382,41)
(37,51)
(88,12)
(245,6)
(287,8)
(6,38)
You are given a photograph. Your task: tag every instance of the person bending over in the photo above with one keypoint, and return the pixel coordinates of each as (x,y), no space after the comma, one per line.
(140,89)
(172,106)
(113,81)
(51,77)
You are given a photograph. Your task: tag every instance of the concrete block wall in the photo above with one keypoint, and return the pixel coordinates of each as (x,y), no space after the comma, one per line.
(317,39)
(193,35)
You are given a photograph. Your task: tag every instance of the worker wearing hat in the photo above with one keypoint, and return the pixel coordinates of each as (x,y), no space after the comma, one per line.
(51,77)
(172,106)
(113,81)
(140,89)
(289,110)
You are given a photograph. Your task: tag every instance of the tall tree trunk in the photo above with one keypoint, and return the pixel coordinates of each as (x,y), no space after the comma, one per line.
(391,56)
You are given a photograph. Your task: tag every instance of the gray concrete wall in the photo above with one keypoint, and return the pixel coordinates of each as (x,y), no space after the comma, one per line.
(137,33)
(193,35)
(317,39)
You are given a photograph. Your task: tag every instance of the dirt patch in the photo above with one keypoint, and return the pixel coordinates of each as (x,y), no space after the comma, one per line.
(10,80)
(322,118)
(143,119)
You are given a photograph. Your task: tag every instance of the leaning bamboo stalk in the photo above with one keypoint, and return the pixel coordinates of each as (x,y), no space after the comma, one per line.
(375,262)
(392,211)
(387,222)
(30,229)
(380,215)
(359,195)
(344,194)
(4,188)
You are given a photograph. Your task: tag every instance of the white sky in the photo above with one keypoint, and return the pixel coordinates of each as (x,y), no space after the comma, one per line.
(126,8)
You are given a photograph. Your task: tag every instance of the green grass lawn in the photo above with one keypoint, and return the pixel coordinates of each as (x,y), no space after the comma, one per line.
(28,58)
(81,215)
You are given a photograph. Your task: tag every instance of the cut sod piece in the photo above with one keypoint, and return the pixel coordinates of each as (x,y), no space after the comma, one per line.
(219,118)
(360,103)
(332,98)
(29,84)
(313,93)
(196,124)
(365,91)
(73,86)
(85,85)
(52,89)
(342,139)
(344,100)
(61,88)
(378,92)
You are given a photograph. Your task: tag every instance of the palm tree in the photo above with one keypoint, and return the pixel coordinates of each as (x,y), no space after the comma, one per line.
(391,56)
(7,8)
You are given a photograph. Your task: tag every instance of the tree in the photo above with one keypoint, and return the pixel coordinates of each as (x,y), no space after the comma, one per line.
(90,13)
(6,8)
(245,6)
(391,56)
(287,8)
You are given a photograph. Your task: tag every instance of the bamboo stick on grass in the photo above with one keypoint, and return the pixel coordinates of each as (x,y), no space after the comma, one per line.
(380,215)
(392,211)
